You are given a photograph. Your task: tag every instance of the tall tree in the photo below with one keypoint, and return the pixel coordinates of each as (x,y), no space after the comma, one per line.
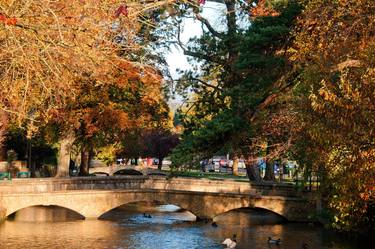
(335,50)
(240,74)
(47,48)
(104,113)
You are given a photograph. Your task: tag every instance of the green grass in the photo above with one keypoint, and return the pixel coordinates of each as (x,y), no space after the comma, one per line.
(208,175)
(221,176)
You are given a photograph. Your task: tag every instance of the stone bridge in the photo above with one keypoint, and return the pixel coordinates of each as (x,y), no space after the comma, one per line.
(93,196)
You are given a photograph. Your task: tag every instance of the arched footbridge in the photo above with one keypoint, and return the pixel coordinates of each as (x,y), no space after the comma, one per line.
(112,169)
(93,196)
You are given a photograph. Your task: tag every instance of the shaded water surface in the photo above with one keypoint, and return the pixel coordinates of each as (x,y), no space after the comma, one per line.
(168,227)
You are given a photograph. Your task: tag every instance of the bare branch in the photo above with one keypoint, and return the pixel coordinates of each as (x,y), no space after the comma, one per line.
(207,84)
(194,53)
(208,26)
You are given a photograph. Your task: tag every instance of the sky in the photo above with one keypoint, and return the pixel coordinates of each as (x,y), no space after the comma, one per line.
(191,28)
(176,59)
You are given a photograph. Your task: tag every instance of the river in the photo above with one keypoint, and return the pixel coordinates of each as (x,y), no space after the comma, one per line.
(168,227)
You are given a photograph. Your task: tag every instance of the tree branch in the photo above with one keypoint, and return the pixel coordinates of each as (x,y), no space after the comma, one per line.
(196,54)
(269,99)
(208,26)
(206,84)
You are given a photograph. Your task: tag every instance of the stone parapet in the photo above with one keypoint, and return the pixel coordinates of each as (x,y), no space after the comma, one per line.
(221,186)
(40,185)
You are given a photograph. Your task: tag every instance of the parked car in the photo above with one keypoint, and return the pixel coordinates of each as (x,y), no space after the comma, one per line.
(212,167)
(216,163)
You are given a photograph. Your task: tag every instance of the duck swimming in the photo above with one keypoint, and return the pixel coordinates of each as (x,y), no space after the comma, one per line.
(147,215)
(230,243)
(274,241)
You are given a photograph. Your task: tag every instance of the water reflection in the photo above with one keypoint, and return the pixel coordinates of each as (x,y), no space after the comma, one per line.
(169,227)
(133,214)
(45,214)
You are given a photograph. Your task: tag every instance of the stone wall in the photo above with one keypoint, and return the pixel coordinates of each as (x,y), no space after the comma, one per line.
(44,185)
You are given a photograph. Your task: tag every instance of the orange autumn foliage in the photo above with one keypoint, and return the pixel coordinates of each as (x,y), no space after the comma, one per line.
(47,47)
(263,8)
(8,21)
(108,110)
(335,48)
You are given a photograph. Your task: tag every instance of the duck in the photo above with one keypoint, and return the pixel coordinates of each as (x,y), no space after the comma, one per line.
(147,215)
(274,241)
(230,243)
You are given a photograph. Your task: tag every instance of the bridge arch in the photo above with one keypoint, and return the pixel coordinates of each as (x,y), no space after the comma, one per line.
(276,206)
(152,197)
(110,170)
(157,202)
(21,207)
(127,171)
(263,210)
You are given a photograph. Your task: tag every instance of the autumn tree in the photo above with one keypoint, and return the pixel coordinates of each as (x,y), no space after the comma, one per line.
(334,49)
(48,48)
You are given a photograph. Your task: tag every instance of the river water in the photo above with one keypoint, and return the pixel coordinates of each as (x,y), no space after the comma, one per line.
(168,227)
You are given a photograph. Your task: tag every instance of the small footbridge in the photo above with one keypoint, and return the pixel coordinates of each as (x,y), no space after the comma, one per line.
(112,169)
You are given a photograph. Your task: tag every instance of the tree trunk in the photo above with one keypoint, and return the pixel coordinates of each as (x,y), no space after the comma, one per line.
(4,120)
(91,156)
(64,156)
(85,158)
(232,29)
(281,172)
(269,175)
(160,163)
(252,171)
(3,151)
(30,163)
(236,160)
(87,154)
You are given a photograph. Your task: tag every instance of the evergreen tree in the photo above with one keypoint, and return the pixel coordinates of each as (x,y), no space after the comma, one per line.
(241,73)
